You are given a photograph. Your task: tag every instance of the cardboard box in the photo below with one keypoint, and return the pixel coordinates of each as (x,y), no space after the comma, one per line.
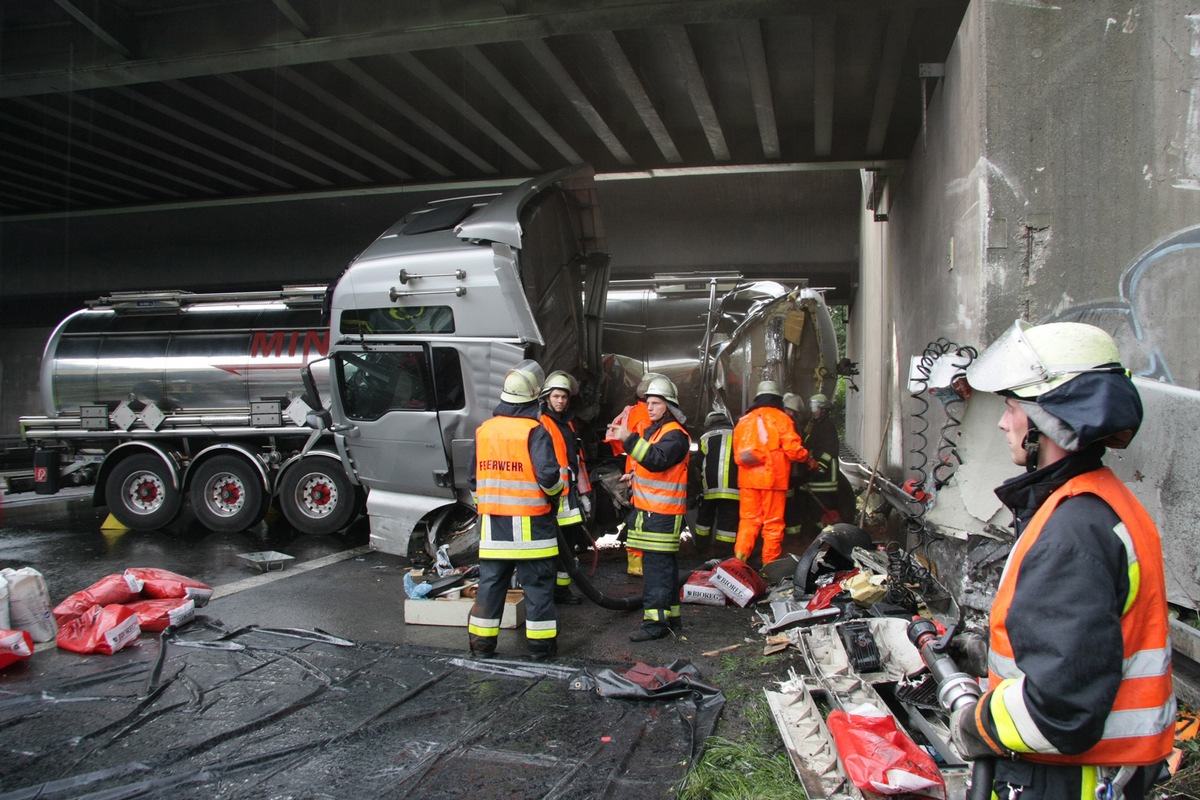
(454,612)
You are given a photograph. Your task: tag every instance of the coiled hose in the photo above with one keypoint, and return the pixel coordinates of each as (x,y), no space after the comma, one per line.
(566,557)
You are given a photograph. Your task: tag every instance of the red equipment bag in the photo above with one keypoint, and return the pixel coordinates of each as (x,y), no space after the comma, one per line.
(100,629)
(159,583)
(878,757)
(14,646)
(107,590)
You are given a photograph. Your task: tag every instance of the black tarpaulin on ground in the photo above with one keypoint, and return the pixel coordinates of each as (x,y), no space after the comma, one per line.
(260,712)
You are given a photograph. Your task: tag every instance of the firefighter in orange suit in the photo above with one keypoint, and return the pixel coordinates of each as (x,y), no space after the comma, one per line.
(559,421)
(659,485)
(516,480)
(765,444)
(1080,702)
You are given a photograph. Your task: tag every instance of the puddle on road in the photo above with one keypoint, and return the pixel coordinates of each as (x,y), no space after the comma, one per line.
(285,716)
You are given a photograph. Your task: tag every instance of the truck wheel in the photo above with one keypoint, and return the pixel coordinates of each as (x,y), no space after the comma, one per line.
(316,496)
(141,495)
(227,495)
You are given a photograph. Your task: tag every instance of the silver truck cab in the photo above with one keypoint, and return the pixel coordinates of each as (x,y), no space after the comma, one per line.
(427,320)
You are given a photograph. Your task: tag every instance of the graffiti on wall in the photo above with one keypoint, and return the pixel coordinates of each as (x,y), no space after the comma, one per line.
(1156,316)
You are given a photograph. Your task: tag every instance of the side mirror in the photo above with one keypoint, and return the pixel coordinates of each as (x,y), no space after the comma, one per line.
(311,394)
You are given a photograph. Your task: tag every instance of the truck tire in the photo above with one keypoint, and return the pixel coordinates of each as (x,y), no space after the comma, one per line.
(141,494)
(316,496)
(227,495)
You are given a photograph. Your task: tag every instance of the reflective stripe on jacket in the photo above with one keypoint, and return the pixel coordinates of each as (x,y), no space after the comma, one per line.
(569,511)
(823,445)
(718,473)
(1139,729)
(505,480)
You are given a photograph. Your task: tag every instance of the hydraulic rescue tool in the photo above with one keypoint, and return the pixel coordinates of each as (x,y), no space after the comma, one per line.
(956,689)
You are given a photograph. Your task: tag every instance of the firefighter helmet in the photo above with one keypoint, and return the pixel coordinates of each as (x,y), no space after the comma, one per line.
(522,383)
(661,386)
(819,401)
(645,382)
(1068,379)
(560,380)
(716,418)
(791,401)
(768,387)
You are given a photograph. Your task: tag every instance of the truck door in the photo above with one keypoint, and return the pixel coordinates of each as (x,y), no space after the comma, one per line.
(389,395)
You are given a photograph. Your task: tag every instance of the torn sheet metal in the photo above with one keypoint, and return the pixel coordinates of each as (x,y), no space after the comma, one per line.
(834,682)
(288,711)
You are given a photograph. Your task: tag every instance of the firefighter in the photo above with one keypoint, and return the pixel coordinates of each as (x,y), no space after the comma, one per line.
(717,513)
(765,443)
(516,480)
(798,505)
(659,493)
(829,489)
(558,419)
(636,419)
(1079,666)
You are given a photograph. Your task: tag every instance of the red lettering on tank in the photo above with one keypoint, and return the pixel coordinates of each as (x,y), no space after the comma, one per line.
(269,345)
(265,347)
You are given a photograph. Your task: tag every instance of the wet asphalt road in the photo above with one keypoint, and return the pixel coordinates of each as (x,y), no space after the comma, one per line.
(278,715)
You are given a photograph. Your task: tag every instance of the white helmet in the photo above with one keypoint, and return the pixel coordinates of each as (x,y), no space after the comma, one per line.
(1069,380)
(661,386)
(560,380)
(768,387)
(644,383)
(819,401)
(523,382)
(791,401)
(1029,360)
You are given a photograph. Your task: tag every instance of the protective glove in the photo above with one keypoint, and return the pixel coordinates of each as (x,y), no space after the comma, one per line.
(585,503)
(812,464)
(965,735)
(970,653)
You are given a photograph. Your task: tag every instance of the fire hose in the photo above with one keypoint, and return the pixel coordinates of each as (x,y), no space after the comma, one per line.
(570,563)
(956,689)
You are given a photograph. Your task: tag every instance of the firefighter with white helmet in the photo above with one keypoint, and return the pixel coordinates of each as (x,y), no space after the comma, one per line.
(829,495)
(558,419)
(659,494)
(635,418)
(765,443)
(516,480)
(1080,700)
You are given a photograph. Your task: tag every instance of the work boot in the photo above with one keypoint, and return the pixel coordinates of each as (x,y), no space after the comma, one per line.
(544,654)
(564,596)
(482,654)
(646,635)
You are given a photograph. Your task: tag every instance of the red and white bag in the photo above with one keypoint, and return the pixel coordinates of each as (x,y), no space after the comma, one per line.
(100,629)
(14,646)
(157,615)
(109,589)
(159,583)
(699,589)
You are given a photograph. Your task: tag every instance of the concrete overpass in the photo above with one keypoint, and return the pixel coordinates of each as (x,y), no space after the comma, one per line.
(943,167)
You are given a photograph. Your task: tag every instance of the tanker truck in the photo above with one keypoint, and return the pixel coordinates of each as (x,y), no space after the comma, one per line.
(162,397)
(328,400)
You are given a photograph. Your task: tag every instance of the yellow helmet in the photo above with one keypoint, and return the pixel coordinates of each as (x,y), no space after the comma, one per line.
(661,386)
(768,387)
(645,382)
(560,379)
(522,383)
(1030,360)
(819,401)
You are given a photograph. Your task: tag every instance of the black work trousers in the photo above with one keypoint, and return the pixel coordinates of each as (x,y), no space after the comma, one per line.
(541,616)
(660,592)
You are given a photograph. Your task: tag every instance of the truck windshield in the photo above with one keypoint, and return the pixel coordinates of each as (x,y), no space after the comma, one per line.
(375,382)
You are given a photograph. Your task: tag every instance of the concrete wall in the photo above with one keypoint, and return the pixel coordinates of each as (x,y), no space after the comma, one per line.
(1059,180)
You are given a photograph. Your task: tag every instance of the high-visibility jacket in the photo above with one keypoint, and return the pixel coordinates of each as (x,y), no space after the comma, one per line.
(718,471)
(823,445)
(1139,729)
(765,443)
(516,513)
(570,460)
(662,492)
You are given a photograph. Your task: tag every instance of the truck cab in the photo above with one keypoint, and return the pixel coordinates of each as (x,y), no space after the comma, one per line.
(427,320)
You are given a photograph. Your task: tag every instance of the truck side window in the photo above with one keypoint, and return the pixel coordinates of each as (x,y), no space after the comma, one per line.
(447,376)
(374,383)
